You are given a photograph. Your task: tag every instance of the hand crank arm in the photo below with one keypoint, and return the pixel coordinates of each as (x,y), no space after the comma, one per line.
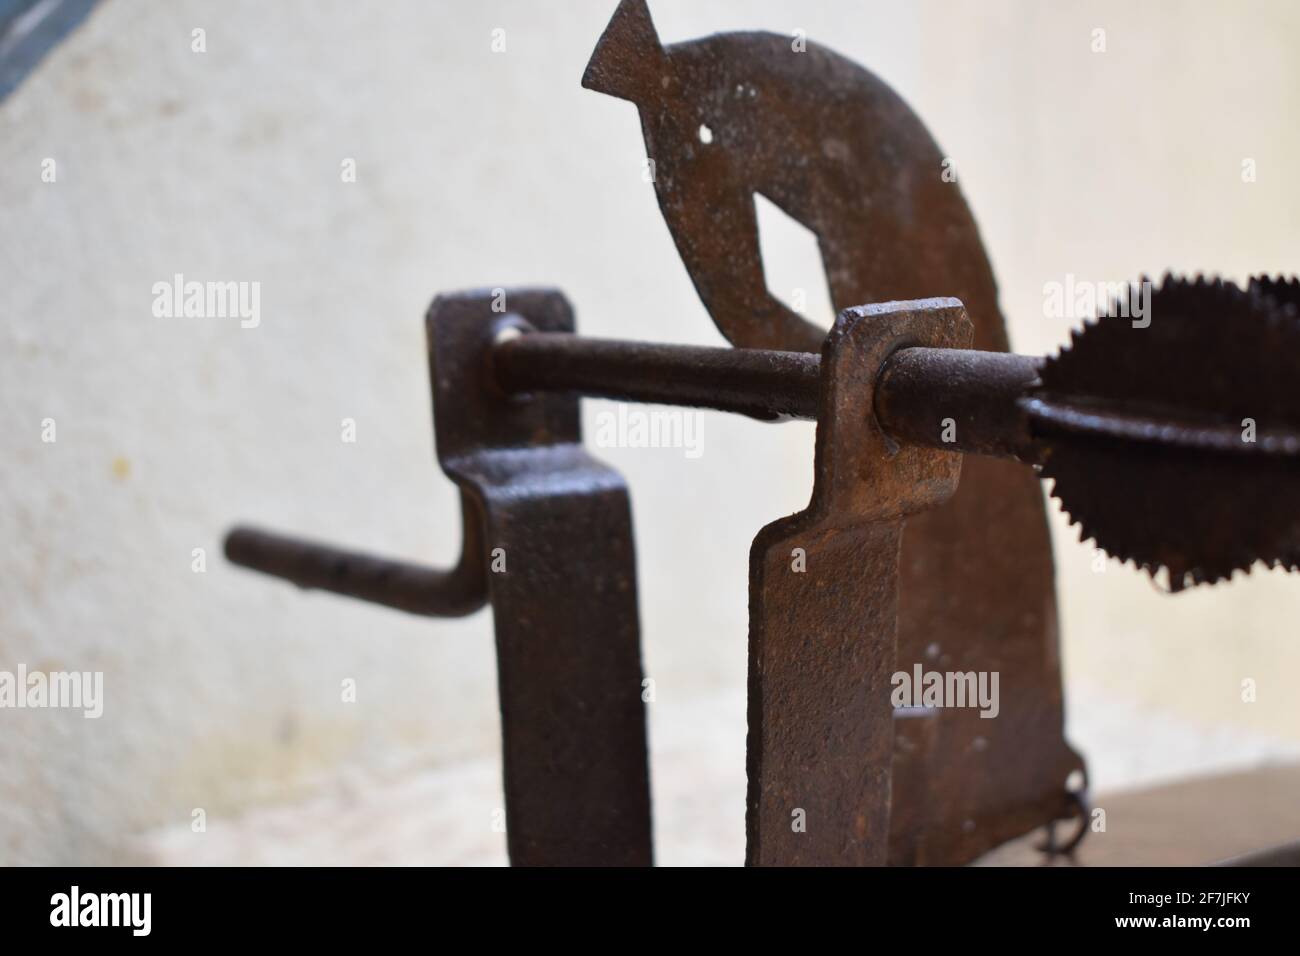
(413,588)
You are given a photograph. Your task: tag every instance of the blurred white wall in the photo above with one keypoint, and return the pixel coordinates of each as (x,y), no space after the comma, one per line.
(478,168)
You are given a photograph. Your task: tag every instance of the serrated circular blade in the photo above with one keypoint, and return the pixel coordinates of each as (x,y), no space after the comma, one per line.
(1283,290)
(1173,438)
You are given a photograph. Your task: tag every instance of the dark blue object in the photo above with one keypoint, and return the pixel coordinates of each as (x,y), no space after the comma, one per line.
(29,29)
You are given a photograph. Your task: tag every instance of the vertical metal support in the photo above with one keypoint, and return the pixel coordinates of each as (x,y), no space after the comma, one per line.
(824,602)
(562,582)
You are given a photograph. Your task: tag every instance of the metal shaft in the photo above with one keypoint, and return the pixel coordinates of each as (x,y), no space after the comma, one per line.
(957,400)
(759,383)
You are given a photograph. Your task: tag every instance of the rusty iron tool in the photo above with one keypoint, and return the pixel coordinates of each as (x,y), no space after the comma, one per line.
(893,385)
(730,116)
(969,586)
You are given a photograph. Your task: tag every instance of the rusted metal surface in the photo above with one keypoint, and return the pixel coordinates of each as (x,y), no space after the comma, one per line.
(563,595)
(918,387)
(841,153)
(820,137)
(963,401)
(761,384)
(823,609)
(407,587)
(1173,441)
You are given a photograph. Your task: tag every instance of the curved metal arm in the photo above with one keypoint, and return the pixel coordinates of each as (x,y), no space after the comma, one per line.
(396,584)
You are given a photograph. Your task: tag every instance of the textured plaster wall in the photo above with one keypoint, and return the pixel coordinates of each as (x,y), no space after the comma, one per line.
(223,689)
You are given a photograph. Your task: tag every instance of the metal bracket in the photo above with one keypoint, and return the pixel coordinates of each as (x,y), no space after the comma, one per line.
(823,607)
(557,529)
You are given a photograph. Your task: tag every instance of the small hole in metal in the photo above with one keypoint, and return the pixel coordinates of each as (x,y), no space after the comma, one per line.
(1075,781)
(507,334)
